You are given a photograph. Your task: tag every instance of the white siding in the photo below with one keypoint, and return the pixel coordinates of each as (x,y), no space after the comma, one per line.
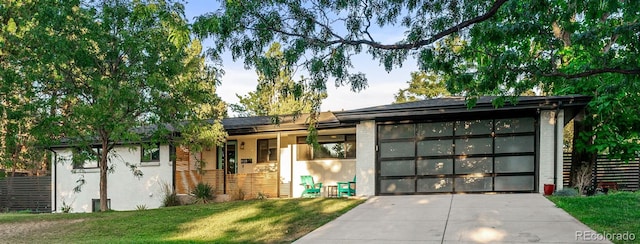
(125,190)
(366,158)
(547,153)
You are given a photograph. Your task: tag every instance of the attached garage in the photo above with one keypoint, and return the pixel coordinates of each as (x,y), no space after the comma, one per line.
(482,155)
(442,146)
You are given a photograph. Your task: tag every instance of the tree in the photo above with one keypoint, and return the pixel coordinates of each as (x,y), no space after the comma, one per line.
(120,72)
(277,93)
(494,47)
(577,47)
(422,86)
(18,104)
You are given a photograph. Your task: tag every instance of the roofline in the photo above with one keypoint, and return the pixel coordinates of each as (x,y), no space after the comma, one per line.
(536,103)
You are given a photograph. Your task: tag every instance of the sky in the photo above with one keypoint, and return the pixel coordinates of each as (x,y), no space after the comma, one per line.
(381,89)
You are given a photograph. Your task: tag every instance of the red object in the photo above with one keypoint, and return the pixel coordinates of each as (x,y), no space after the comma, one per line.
(548,189)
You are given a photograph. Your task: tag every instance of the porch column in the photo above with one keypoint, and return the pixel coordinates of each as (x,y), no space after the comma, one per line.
(550,146)
(366,158)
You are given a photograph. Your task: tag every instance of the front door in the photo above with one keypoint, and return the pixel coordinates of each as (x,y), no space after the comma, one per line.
(227,161)
(231,158)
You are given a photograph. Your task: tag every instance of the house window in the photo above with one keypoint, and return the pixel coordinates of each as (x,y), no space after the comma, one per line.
(150,153)
(267,150)
(95,204)
(330,147)
(83,159)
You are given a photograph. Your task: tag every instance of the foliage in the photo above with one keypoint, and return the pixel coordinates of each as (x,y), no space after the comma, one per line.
(262,196)
(479,47)
(141,207)
(323,36)
(422,86)
(169,197)
(579,47)
(114,72)
(612,213)
(567,192)
(18,103)
(272,221)
(66,208)
(203,192)
(277,93)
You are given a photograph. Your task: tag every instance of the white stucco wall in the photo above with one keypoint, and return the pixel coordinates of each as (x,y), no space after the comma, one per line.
(125,190)
(366,158)
(547,154)
(326,171)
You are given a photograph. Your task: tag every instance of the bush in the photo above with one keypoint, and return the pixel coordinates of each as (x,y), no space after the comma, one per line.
(66,208)
(566,192)
(203,192)
(170,197)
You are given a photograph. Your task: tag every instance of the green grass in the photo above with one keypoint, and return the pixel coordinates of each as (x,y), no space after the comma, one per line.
(255,221)
(614,213)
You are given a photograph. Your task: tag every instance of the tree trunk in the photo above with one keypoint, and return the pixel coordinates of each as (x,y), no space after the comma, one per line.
(103,177)
(580,157)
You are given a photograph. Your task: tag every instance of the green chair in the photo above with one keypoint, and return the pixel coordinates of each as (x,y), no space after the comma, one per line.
(348,188)
(311,189)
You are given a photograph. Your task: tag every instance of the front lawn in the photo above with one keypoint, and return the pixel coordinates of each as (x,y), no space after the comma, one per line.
(614,213)
(256,221)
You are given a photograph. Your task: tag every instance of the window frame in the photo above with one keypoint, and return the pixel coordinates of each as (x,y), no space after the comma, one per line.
(270,154)
(343,139)
(151,159)
(88,161)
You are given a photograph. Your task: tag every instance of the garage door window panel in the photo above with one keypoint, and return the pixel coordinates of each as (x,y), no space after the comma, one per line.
(474,165)
(518,125)
(435,185)
(401,131)
(471,184)
(514,183)
(514,144)
(397,186)
(435,166)
(397,149)
(470,146)
(397,168)
(435,147)
(515,164)
(474,127)
(440,129)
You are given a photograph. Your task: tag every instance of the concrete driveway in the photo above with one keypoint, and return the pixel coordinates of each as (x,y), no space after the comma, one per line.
(461,218)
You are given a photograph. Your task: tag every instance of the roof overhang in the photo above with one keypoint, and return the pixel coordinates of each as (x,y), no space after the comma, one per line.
(456,107)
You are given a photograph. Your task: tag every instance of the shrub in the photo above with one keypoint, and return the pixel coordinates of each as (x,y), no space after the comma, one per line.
(566,192)
(141,207)
(203,192)
(170,197)
(66,208)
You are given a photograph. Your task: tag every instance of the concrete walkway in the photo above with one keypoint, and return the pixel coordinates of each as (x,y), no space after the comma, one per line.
(463,218)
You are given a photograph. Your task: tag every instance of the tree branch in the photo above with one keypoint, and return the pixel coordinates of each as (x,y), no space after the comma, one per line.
(594,72)
(341,40)
(438,36)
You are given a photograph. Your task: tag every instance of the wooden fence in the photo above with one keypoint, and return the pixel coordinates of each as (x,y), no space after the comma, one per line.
(29,193)
(625,174)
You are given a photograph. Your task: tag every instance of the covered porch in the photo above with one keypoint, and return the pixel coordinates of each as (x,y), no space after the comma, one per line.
(260,159)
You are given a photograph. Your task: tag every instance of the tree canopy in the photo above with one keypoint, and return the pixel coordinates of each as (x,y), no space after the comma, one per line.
(277,93)
(115,72)
(481,47)
(422,86)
